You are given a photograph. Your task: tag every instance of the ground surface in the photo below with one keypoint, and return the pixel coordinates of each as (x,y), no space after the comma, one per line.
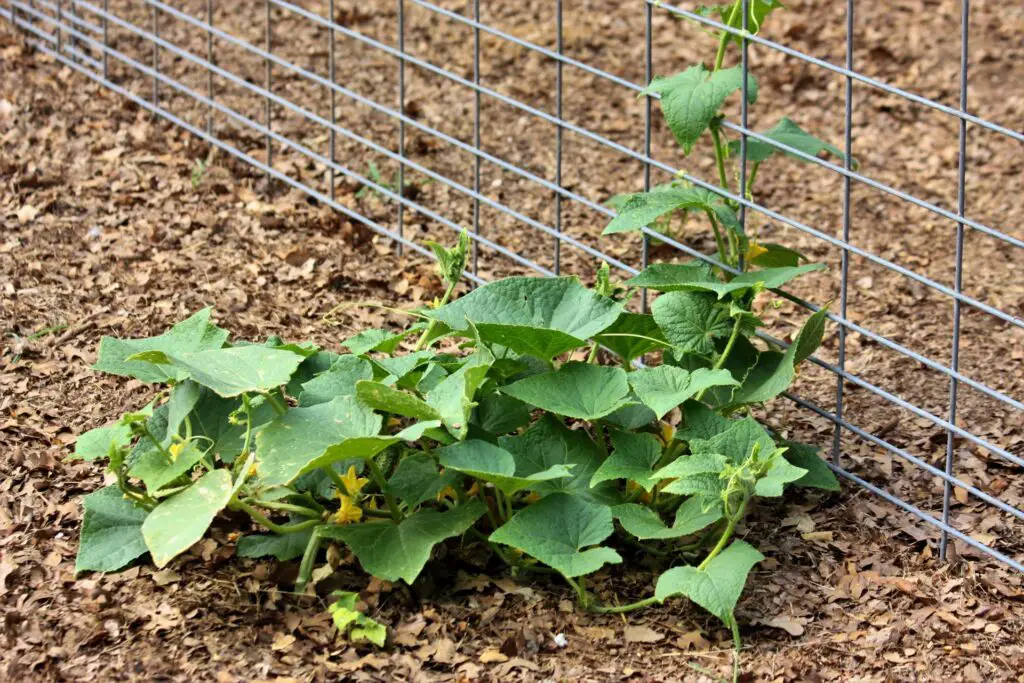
(103,233)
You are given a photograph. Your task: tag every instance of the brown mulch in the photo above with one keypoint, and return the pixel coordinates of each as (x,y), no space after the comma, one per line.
(104,233)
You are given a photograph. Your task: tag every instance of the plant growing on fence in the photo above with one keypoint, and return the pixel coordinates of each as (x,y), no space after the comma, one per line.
(493,418)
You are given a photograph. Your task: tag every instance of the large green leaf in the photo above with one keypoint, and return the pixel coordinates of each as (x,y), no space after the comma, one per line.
(632,335)
(234,370)
(780,472)
(211,419)
(692,98)
(738,442)
(193,334)
(548,443)
(664,387)
(492,464)
(538,316)
(701,422)
(340,379)
(718,586)
(633,459)
(111,532)
(692,320)
(181,520)
(644,523)
(641,209)
(453,396)
(156,469)
(390,400)
(304,439)
(97,443)
(580,390)
(818,476)
(559,531)
(392,552)
(788,133)
(690,277)
(500,414)
(417,479)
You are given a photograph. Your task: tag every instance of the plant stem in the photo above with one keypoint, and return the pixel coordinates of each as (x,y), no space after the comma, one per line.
(430,326)
(592,356)
(272,400)
(599,434)
(621,609)
(722,254)
(285,507)
(335,478)
(750,180)
(262,519)
(308,559)
(382,483)
(729,344)
(720,154)
(726,535)
(723,40)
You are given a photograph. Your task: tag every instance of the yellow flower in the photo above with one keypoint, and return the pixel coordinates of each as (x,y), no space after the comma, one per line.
(348,512)
(754,250)
(446,492)
(175,449)
(353,484)
(668,432)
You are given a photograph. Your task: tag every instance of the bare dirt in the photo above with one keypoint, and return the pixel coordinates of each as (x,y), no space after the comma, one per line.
(104,233)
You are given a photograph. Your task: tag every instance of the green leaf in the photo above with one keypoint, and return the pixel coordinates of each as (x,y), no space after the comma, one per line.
(579,390)
(453,397)
(304,439)
(692,98)
(339,380)
(758,10)
(664,387)
(193,334)
(495,465)
(284,547)
(374,339)
(234,370)
(809,338)
(111,532)
(631,336)
(643,208)
(818,476)
(211,419)
(559,531)
(180,521)
(397,368)
(392,552)
(353,623)
(701,422)
(451,262)
(155,471)
(633,415)
(780,472)
(692,465)
(786,132)
(417,480)
(687,277)
(548,443)
(389,400)
(645,524)
(538,316)
(500,414)
(633,458)
(97,443)
(737,442)
(718,586)
(692,320)
(776,256)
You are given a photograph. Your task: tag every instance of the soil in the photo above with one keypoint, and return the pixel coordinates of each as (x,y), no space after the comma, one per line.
(104,232)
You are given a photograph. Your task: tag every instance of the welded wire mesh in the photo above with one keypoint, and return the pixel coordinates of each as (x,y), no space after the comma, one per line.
(308,92)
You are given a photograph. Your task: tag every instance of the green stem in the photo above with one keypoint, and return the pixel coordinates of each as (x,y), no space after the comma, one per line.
(284,507)
(723,40)
(750,179)
(738,645)
(599,435)
(720,154)
(421,342)
(157,444)
(262,519)
(382,483)
(248,424)
(726,535)
(729,344)
(592,356)
(621,609)
(276,404)
(335,478)
(308,560)
(379,514)
(722,253)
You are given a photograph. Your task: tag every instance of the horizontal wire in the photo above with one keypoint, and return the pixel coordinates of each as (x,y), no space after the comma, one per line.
(999,396)
(383,230)
(892,90)
(926,281)
(866,180)
(73,18)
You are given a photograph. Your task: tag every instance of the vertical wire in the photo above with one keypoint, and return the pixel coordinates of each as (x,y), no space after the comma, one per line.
(844,266)
(744,111)
(645,249)
(106,40)
(559,46)
(401,123)
(209,71)
(268,45)
(476,132)
(961,200)
(332,75)
(72,40)
(60,22)
(156,57)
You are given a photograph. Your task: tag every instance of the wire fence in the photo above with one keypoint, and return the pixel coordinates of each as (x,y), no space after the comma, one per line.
(272,83)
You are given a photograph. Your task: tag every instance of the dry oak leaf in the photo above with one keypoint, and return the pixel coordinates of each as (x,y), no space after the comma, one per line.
(641,634)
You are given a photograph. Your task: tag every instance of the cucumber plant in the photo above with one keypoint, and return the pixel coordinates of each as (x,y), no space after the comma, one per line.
(494,418)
